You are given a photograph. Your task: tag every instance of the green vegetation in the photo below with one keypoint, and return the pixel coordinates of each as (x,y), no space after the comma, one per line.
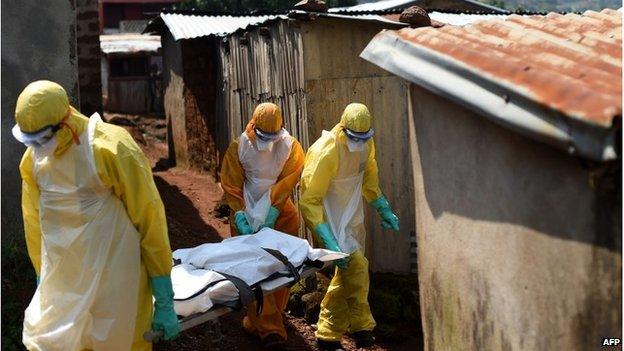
(554,5)
(239,6)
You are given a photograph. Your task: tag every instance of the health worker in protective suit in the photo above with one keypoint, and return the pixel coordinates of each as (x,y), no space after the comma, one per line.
(95,230)
(340,168)
(259,172)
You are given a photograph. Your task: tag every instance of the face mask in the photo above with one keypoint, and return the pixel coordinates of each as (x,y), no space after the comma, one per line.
(45,149)
(264,145)
(356,146)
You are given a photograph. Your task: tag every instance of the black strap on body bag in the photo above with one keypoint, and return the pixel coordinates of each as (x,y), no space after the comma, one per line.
(294,272)
(246,293)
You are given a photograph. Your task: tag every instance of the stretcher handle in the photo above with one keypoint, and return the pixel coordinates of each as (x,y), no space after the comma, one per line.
(153,336)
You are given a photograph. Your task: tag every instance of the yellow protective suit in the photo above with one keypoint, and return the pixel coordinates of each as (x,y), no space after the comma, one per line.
(234,175)
(327,188)
(125,173)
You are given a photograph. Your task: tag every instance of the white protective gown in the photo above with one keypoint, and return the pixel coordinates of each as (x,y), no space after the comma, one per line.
(262,168)
(90,258)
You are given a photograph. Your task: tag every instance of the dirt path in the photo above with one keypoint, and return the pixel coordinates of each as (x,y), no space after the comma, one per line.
(190,200)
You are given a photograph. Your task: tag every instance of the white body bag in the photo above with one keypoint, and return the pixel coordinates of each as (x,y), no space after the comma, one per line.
(209,274)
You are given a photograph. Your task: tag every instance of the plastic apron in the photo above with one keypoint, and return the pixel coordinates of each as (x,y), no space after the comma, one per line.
(87,296)
(262,168)
(343,203)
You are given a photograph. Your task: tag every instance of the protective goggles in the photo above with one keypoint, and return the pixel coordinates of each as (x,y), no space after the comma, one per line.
(359,136)
(37,138)
(266,136)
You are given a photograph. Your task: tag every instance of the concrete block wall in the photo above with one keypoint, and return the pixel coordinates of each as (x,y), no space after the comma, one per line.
(38,42)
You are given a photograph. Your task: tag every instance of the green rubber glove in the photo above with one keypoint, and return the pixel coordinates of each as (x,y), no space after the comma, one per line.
(271,218)
(329,241)
(165,318)
(389,219)
(242,225)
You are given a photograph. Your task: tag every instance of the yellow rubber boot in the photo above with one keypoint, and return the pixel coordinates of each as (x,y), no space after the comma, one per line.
(345,305)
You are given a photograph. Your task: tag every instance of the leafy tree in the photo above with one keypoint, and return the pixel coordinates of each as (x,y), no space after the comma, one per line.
(242,6)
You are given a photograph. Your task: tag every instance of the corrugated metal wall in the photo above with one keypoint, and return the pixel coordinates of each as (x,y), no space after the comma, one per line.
(265,65)
(257,68)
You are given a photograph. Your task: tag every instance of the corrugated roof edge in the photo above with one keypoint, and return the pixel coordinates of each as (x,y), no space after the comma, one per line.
(451,79)
(459,12)
(390,5)
(252,26)
(158,26)
(224,13)
(296,14)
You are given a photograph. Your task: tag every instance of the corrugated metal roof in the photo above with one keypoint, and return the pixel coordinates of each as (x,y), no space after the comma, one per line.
(184,26)
(458,19)
(187,26)
(569,63)
(129,43)
(390,19)
(375,6)
(403,4)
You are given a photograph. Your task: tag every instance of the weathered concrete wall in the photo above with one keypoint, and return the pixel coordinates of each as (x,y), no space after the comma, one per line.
(519,245)
(199,63)
(38,42)
(89,56)
(173,83)
(335,76)
(189,78)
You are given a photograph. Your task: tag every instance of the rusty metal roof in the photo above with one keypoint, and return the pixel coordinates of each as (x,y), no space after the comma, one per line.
(530,66)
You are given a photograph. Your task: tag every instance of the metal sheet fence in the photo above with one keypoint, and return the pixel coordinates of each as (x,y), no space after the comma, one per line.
(264,65)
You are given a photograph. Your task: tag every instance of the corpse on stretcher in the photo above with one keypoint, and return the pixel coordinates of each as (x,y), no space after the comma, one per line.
(239,270)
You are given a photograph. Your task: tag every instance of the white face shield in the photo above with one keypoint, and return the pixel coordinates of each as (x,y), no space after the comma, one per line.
(356,141)
(356,146)
(46,149)
(35,139)
(43,142)
(265,141)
